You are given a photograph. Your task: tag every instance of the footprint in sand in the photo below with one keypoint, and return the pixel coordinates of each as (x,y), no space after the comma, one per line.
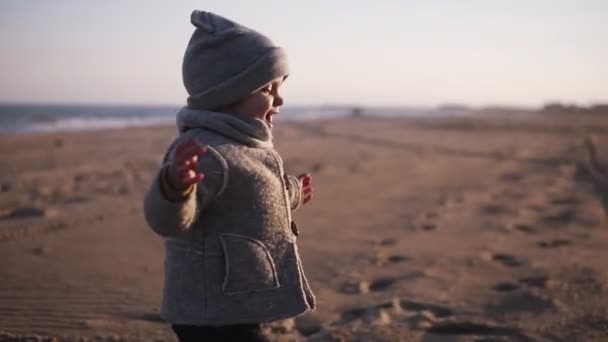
(379,284)
(524,227)
(565,200)
(431,215)
(398,258)
(507,260)
(382,284)
(535,281)
(475,328)
(511,195)
(431,318)
(494,209)
(554,204)
(354,287)
(554,243)
(559,218)
(536,208)
(428,226)
(381,259)
(76,200)
(522,301)
(40,250)
(457,200)
(426,221)
(363,286)
(29,212)
(439,311)
(505,287)
(510,176)
(402,307)
(388,242)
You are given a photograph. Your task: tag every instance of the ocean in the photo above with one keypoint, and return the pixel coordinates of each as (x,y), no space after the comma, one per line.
(24,118)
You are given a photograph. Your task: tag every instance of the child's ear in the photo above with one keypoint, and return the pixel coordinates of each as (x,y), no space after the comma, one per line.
(202,20)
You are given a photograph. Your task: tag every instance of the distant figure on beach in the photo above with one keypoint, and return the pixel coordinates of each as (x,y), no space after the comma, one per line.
(222,199)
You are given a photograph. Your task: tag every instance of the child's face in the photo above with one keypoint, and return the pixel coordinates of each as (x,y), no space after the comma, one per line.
(263,104)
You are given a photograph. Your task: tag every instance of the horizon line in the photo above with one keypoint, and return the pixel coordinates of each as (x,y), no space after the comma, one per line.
(442,105)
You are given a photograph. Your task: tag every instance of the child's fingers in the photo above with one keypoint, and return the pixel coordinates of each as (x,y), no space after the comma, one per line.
(303,175)
(186,175)
(191,163)
(196,179)
(190,177)
(187,150)
(307,191)
(193,160)
(188,164)
(307,198)
(305,179)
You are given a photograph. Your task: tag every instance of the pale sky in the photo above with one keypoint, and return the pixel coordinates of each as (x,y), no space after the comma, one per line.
(382,52)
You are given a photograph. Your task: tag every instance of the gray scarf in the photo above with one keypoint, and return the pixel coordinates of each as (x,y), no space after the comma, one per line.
(249,131)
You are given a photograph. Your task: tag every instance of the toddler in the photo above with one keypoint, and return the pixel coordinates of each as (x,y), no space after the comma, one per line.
(222,199)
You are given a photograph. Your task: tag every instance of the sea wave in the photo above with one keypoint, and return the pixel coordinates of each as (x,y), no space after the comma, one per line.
(58,118)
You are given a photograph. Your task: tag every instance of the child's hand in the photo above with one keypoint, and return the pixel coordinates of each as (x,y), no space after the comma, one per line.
(182,172)
(306,184)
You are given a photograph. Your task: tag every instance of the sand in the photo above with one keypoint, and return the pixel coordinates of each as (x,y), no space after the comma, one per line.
(462,229)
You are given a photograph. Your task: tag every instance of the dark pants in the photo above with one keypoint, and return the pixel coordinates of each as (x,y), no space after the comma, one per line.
(237,332)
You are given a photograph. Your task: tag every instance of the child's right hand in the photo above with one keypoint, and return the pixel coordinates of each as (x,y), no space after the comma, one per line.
(183,171)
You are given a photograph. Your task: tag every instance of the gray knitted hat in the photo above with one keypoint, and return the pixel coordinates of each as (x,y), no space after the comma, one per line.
(225,61)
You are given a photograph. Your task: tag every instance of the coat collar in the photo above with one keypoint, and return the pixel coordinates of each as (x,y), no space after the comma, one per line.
(251,132)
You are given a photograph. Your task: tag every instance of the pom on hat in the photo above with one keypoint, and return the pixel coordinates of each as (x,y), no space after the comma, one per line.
(201,20)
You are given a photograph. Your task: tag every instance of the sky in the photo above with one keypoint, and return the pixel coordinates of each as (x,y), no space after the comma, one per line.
(341,52)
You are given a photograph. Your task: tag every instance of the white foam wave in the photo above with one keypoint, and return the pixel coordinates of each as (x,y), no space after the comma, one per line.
(81,124)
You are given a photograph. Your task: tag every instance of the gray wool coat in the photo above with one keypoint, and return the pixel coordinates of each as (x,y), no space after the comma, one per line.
(231,254)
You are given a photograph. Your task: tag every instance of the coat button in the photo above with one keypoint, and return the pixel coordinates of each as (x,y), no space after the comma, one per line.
(294,228)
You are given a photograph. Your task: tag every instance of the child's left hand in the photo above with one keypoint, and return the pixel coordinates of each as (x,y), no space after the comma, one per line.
(306,184)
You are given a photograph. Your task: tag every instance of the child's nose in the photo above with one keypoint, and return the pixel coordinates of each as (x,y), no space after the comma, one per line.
(278,101)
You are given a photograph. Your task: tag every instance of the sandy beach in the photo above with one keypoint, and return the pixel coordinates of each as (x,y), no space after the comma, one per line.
(422,229)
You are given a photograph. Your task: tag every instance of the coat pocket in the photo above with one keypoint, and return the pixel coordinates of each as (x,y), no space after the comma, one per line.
(249,266)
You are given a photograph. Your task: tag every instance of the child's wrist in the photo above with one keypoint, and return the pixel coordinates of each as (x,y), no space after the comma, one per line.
(170,192)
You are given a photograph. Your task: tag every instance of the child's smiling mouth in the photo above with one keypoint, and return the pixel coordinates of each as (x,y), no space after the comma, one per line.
(268,118)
